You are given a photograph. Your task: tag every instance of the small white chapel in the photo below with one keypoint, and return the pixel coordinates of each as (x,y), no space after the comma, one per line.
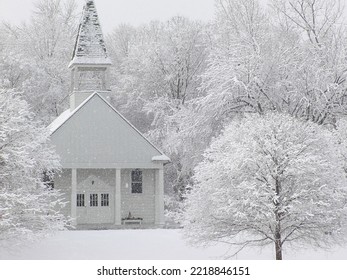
(111,174)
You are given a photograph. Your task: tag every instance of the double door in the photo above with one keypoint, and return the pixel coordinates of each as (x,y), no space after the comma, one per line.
(94,207)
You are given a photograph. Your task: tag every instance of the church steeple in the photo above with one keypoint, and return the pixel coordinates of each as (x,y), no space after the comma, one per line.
(90,62)
(90,45)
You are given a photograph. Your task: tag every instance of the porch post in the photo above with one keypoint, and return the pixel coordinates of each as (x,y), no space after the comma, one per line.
(117,206)
(159,196)
(74,196)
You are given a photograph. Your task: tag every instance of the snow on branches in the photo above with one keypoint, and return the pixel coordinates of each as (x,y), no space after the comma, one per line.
(28,207)
(269,179)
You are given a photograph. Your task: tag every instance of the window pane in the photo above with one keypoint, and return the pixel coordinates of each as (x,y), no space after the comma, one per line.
(48,179)
(93,200)
(80,200)
(136,181)
(136,175)
(136,187)
(105,199)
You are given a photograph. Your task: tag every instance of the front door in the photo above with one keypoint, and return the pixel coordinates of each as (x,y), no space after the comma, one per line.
(95,201)
(99,208)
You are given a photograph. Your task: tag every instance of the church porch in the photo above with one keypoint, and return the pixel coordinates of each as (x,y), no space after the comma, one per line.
(104,198)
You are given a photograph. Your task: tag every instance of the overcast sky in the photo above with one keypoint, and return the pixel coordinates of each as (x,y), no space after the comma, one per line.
(114,12)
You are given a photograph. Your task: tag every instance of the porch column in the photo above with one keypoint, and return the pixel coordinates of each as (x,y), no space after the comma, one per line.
(159,196)
(74,196)
(117,197)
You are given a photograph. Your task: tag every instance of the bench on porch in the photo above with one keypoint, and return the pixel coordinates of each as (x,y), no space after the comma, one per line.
(131,220)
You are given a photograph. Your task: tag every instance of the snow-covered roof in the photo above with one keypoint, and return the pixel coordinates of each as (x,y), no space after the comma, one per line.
(59,121)
(66,115)
(90,45)
(63,117)
(90,61)
(161,158)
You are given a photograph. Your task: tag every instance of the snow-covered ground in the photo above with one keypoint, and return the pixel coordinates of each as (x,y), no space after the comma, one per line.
(159,244)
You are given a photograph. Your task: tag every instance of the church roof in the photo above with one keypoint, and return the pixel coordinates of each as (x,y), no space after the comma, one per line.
(90,45)
(68,114)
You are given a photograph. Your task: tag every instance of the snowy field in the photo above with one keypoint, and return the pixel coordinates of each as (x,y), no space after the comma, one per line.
(159,244)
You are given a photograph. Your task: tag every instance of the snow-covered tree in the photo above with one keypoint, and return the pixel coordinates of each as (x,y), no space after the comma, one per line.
(158,72)
(262,61)
(317,19)
(35,56)
(231,81)
(29,207)
(157,65)
(341,135)
(269,179)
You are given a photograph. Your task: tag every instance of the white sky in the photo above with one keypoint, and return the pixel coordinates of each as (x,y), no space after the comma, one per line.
(114,12)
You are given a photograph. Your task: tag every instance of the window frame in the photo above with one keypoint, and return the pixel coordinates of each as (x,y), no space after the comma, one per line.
(136,181)
(105,200)
(80,200)
(93,200)
(47,179)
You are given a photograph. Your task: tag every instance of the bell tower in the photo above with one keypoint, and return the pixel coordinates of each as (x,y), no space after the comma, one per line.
(90,62)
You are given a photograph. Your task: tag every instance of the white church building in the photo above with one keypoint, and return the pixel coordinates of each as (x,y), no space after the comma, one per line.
(111,174)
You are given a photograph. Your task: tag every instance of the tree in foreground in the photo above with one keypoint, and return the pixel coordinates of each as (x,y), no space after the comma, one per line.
(269,179)
(29,207)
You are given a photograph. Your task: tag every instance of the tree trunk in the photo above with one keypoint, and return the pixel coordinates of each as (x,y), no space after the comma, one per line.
(278,243)
(278,238)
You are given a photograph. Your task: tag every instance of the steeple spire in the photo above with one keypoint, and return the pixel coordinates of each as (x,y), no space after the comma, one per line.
(90,62)
(90,45)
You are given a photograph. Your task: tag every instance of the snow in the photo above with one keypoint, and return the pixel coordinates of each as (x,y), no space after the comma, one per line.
(268,176)
(161,158)
(63,117)
(149,244)
(90,61)
(90,45)
(58,122)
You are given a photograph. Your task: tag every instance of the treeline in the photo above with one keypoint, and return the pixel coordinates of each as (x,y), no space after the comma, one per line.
(181,81)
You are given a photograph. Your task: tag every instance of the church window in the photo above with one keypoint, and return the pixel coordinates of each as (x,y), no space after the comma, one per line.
(80,200)
(48,179)
(136,181)
(93,200)
(104,199)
